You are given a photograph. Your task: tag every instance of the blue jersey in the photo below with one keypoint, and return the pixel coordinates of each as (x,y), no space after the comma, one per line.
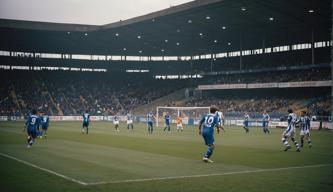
(33,123)
(150,117)
(265,117)
(86,117)
(209,122)
(167,119)
(45,120)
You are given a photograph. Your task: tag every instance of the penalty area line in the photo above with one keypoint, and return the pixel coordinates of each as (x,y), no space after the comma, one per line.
(208,175)
(43,169)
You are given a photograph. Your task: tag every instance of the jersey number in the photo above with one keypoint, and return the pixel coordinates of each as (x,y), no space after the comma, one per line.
(209,121)
(33,121)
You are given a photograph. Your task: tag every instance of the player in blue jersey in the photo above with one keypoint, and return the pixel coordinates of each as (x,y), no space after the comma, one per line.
(45,124)
(265,120)
(167,122)
(206,129)
(290,131)
(85,123)
(129,121)
(150,122)
(246,122)
(305,129)
(31,126)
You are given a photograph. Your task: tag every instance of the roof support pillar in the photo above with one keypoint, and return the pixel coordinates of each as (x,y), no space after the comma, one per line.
(211,63)
(312,46)
(264,49)
(241,52)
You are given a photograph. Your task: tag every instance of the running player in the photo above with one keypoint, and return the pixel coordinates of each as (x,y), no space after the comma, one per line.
(221,116)
(246,122)
(85,124)
(265,120)
(129,121)
(167,122)
(290,131)
(305,129)
(31,126)
(221,119)
(206,129)
(116,123)
(45,124)
(179,123)
(150,122)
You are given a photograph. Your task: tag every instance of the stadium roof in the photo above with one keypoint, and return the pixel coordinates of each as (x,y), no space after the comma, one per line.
(197,27)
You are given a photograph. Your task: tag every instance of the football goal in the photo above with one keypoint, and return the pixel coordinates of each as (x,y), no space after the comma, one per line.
(186,113)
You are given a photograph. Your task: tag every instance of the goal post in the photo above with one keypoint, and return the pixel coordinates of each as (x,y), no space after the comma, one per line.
(187,113)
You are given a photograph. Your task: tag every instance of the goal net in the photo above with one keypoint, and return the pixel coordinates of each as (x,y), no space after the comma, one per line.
(190,115)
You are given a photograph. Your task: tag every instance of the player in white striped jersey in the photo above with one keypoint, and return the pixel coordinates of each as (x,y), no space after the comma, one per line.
(129,121)
(265,121)
(221,119)
(305,129)
(116,123)
(246,122)
(150,122)
(221,116)
(290,131)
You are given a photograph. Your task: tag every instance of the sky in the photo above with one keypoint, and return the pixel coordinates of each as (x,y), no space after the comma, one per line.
(93,12)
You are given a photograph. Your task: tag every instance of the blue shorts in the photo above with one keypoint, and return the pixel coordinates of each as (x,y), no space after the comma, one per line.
(44,127)
(150,124)
(32,133)
(85,124)
(246,123)
(265,123)
(209,138)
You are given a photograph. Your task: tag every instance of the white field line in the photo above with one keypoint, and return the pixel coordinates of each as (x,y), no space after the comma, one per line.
(209,175)
(43,169)
(160,178)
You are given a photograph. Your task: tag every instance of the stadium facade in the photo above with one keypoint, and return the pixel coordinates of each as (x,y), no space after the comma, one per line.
(243,49)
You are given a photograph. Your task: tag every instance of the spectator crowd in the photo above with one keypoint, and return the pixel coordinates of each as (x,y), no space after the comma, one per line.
(71,93)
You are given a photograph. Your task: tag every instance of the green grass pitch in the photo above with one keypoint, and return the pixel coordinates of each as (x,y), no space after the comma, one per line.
(106,160)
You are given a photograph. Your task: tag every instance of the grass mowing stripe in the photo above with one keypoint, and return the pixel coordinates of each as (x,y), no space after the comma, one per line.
(208,175)
(43,169)
(159,178)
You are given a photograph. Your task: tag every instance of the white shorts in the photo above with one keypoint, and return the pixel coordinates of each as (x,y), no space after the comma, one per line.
(116,122)
(129,121)
(179,126)
(305,132)
(289,132)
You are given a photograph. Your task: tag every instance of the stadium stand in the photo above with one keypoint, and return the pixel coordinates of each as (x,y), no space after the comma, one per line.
(277,107)
(271,76)
(70,93)
(233,51)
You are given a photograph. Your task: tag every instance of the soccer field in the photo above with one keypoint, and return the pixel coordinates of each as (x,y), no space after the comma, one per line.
(106,160)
